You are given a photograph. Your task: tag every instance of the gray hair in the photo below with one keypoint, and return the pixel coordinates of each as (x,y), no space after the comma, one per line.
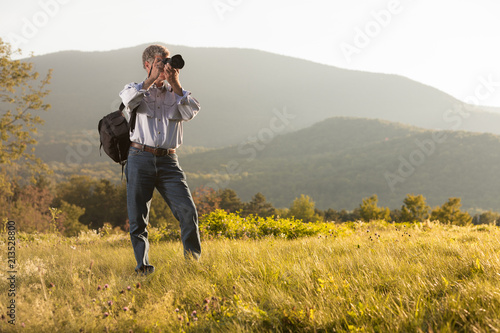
(151,51)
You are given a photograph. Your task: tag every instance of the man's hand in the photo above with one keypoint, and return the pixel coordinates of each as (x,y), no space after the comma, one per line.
(172,77)
(156,71)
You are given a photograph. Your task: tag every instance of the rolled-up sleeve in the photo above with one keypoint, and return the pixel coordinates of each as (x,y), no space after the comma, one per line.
(132,96)
(187,105)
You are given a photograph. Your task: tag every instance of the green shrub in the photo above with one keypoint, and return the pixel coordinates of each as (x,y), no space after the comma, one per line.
(220,224)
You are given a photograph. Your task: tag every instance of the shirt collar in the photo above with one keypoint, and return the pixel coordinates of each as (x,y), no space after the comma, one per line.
(164,86)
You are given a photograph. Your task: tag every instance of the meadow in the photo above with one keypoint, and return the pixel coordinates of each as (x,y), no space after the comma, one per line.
(261,275)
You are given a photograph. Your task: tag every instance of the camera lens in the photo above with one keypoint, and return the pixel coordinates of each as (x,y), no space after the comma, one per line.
(176,61)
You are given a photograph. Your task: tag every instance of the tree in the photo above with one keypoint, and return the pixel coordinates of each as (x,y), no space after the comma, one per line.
(206,200)
(229,201)
(259,206)
(370,211)
(103,201)
(450,212)
(329,215)
(396,215)
(30,207)
(346,216)
(19,98)
(488,217)
(303,209)
(70,223)
(414,209)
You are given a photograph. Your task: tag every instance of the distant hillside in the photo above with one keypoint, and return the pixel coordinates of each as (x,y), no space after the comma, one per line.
(340,161)
(243,91)
(285,122)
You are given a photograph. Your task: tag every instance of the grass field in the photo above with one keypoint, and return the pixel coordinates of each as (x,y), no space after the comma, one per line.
(368,277)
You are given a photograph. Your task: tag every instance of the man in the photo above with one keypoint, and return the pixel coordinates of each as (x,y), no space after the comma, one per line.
(152,162)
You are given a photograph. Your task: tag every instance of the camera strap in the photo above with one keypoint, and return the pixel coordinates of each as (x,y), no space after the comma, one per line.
(150,70)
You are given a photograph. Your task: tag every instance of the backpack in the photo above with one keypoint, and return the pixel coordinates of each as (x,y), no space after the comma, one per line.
(114,132)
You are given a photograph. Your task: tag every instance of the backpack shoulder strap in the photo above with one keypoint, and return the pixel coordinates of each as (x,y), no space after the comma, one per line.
(133,115)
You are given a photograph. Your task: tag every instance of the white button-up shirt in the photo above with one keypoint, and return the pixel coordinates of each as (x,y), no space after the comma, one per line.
(160,114)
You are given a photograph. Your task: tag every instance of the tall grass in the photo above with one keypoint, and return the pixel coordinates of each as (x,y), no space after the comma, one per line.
(372,277)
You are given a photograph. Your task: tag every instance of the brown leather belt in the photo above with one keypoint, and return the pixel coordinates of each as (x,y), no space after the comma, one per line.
(154,151)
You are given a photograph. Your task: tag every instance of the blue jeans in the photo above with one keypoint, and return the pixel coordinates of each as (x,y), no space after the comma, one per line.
(145,172)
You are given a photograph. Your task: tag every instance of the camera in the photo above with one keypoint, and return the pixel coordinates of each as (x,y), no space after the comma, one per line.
(176,61)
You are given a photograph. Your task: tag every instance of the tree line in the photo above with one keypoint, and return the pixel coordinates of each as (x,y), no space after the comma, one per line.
(84,203)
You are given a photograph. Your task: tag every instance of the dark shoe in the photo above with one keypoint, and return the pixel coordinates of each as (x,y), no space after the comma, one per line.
(145,270)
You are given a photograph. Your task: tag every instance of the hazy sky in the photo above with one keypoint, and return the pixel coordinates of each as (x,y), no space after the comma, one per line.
(452,45)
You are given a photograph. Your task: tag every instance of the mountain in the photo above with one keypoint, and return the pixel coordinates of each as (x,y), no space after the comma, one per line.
(339,161)
(247,93)
(285,126)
